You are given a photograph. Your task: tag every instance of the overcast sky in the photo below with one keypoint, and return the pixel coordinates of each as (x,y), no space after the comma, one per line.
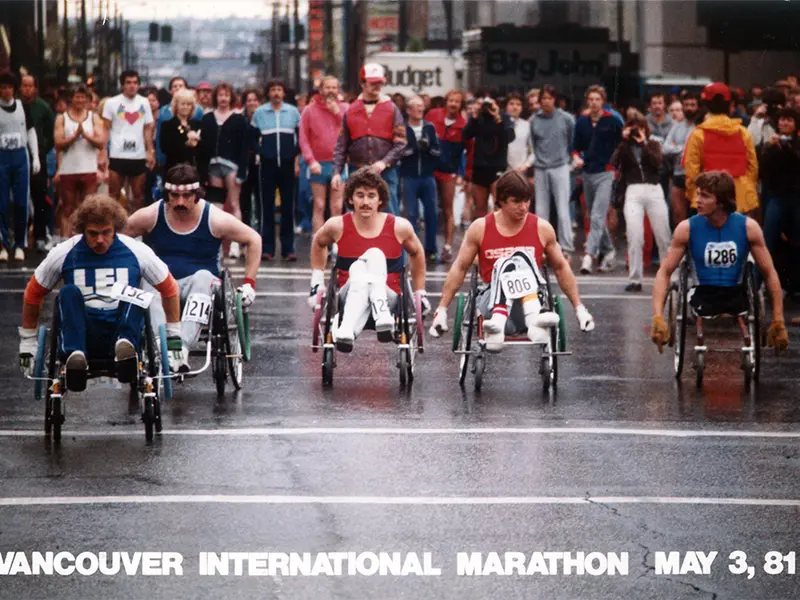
(200,9)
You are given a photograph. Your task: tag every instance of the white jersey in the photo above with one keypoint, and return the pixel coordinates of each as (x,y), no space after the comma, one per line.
(81,156)
(14,125)
(128,118)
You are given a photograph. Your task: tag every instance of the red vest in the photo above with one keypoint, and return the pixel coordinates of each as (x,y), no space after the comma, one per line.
(495,245)
(724,153)
(352,245)
(379,124)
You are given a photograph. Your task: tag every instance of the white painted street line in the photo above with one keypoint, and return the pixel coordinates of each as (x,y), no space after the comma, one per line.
(430,295)
(395,500)
(397,431)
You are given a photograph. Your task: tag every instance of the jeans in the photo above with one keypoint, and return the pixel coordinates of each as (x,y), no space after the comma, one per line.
(304,209)
(597,191)
(641,199)
(390,177)
(14,180)
(277,177)
(782,215)
(416,189)
(93,336)
(556,182)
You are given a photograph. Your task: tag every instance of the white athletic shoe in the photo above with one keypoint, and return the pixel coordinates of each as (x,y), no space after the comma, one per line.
(497,324)
(3,255)
(609,262)
(586,264)
(539,325)
(345,338)
(494,341)
(125,360)
(234,251)
(384,326)
(179,361)
(19,254)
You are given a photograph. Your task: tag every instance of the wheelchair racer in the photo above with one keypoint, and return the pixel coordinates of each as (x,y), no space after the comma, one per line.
(93,323)
(719,241)
(370,259)
(511,239)
(187,232)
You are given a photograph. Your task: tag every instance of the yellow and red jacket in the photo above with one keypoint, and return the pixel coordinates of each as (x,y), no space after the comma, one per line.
(722,144)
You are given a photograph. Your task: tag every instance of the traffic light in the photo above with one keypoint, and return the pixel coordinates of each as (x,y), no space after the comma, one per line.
(153,32)
(166,34)
(300,32)
(189,58)
(284,36)
(256,58)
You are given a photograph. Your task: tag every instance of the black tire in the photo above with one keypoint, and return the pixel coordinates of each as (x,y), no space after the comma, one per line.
(330,304)
(754,324)
(470,311)
(149,418)
(150,347)
(404,365)
(682,314)
(478,366)
(551,365)
(232,345)
(57,419)
(327,367)
(700,366)
(157,414)
(219,365)
(52,355)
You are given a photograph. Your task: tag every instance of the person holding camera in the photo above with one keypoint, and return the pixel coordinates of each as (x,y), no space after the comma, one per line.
(638,159)
(780,172)
(492,132)
(420,159)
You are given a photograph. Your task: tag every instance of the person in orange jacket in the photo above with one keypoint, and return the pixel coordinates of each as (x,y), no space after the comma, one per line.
(722,144)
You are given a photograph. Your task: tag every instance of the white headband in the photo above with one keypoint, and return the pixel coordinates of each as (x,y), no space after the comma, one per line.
(184,187)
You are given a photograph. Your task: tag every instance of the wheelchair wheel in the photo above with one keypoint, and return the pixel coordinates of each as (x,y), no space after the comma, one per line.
(562,325)
(405,361)
(549,364)
(327,367)
(56,418)
(478,367)
(406,366)
(752,366)
(681,316)
(233,343)
(469,310)
(149,418)
(153,368)
(38,363)
(50,420)
(315,332)
(242,326)
(218,366)
(166,382)
(420,324)
(671,306)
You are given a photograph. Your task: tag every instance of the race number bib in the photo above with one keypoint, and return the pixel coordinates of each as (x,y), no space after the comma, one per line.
(518,284)
(720,255)
(10,141)
(131,295)
(129,145)
(197,308)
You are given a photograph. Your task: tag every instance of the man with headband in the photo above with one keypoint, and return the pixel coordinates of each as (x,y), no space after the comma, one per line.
(186,232)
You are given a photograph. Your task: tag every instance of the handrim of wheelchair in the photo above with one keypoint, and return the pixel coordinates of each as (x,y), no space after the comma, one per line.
(226,337)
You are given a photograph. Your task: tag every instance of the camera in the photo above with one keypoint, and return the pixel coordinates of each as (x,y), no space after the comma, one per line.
(486,104)
(423,144)
(785,141)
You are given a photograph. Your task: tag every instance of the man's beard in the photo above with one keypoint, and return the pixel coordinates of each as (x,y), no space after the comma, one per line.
(690,114)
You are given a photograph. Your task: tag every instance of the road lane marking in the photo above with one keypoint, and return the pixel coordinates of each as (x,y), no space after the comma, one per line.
(396,500)
(338,431)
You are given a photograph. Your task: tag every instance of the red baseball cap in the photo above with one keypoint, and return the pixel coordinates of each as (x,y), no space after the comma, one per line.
(372,73)
(716,89)
(204,85)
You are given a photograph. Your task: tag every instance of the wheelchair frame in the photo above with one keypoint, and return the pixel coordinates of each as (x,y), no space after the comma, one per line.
(144,388)
(409,331)
(469,323)
(751,325)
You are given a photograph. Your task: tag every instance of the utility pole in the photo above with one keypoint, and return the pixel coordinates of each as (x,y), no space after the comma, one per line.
(84,43)
(42,18)
(65,50)
(296,47)
(274,59)
(448,17)
(402,34)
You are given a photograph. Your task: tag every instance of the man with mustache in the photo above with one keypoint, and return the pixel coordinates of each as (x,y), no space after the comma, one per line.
(186,232)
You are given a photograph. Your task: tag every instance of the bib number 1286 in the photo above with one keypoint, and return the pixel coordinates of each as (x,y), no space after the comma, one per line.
(719,255)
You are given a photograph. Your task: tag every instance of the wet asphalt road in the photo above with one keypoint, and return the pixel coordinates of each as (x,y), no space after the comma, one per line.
(614,462)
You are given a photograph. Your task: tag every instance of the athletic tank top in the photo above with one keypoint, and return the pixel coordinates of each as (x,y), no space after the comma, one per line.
(719,254)
(189,252)
(352,245)
(495,245)
(13,128)
(81,156)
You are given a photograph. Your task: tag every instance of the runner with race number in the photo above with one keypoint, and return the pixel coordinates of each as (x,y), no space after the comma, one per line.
(511,245)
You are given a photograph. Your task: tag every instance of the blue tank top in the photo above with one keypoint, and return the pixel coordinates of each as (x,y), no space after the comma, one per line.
(719,255)
(185,253)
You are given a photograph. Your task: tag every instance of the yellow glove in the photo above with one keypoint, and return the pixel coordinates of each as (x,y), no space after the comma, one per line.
(777,336)
(659,332)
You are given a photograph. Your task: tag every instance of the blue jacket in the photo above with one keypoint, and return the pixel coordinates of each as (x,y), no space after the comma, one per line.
(417,162)
(597,144)
(279,131)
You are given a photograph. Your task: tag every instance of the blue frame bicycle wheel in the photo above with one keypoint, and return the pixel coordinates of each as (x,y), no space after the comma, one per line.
(167,382)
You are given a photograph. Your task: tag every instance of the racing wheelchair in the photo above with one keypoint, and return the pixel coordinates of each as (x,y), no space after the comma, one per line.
(469,324)
(225,333)
(752,325)
(409,334)
(146,388)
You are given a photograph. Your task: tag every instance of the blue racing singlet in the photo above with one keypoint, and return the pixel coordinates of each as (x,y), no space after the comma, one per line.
(719,254)
(189,252)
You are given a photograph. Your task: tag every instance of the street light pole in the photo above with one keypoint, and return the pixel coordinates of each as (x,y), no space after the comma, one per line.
(84,43)
(296,47)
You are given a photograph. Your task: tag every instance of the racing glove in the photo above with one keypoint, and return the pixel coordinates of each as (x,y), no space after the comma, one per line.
(28,345)
(248,290)
(177,353)
(777,336)
(439,325)
(585,319)
(426,304)
(317,281)
(659,332)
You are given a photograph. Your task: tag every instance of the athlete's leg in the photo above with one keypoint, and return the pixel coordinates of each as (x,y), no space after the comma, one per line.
(202,285)
(232,197)
(115,182)
(447,192)
(72,335)
(68,202)
(136,201)
(480,195)
(318,191)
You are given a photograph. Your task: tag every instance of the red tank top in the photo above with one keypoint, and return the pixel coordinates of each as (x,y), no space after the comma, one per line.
(495,245)
(352,245)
